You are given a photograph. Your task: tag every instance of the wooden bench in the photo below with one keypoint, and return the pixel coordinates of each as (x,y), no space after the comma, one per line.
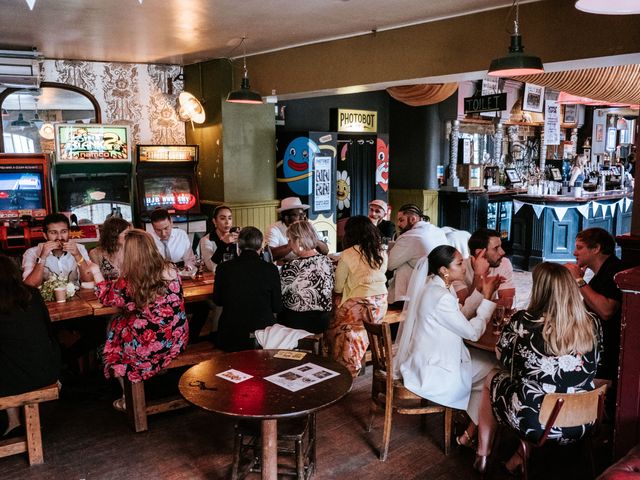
(137,407)
(32,441)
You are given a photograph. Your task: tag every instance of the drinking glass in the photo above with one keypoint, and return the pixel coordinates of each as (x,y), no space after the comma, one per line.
(227,256)
(497,319)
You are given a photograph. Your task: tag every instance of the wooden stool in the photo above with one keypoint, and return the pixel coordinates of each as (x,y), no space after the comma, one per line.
(32,442)
(296,437)
(137,407)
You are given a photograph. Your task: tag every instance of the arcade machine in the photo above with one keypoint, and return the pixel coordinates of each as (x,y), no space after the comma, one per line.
(166,178)
(306,168)
(92,172)
(25,199)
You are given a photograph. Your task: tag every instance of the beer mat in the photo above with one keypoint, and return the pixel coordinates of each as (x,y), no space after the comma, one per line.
(290,355)
(235,376)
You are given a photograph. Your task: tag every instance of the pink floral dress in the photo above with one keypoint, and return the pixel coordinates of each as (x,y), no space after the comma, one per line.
(141,342)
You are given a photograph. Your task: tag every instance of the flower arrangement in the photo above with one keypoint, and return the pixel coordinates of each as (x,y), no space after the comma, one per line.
(55,281)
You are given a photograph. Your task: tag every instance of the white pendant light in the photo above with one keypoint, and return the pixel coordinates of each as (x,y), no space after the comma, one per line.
(31,4)
(609,7)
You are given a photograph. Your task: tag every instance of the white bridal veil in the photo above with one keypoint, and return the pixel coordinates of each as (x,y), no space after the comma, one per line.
(410,312)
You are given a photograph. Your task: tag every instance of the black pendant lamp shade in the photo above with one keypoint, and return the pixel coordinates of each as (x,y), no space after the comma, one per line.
(20,122)
(245,94)
(516,62)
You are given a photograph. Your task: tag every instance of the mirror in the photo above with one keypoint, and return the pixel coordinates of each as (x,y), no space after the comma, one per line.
(28,115)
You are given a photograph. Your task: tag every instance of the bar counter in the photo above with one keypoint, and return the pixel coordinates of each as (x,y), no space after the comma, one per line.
(545,226)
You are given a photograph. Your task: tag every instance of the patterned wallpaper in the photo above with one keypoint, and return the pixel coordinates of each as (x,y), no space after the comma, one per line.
(129,94)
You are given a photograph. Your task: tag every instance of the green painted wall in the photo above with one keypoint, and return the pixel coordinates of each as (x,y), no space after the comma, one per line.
(249,146)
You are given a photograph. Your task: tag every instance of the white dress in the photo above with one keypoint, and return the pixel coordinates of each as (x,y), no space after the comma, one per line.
(434,362)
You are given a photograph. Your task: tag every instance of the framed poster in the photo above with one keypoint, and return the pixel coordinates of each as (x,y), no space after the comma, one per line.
(533,100)
(570,114)
(556,176)
(512,175)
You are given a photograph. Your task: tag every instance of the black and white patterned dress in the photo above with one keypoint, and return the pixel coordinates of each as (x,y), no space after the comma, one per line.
(307,286)
(517,393)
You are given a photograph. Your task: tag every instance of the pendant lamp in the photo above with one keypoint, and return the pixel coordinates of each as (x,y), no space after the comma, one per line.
(516,62)
(609,7)
(245,94)
(20,122)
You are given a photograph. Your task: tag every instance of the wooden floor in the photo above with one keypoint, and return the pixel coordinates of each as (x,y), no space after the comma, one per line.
(85,438)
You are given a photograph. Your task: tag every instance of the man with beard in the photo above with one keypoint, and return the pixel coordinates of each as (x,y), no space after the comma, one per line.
(487,258)
(377,211)
(417,238)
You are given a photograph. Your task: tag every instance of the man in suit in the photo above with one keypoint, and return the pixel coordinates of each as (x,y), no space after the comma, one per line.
(248,290)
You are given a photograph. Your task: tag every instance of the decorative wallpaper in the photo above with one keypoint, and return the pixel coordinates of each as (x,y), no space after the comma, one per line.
(128,94)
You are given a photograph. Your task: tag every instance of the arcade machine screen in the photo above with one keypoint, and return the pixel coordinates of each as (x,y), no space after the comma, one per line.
(93,199)
(21,191)
(171,192)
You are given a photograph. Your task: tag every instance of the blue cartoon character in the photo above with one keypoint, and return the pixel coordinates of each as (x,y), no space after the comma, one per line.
(297,165)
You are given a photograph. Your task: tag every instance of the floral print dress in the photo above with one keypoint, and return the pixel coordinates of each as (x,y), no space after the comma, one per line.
(517,393)
(141,342)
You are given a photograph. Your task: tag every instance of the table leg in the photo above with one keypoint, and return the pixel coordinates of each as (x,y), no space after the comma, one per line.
(269,449)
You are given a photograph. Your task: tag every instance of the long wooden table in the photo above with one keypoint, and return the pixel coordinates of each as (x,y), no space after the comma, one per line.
(85,303)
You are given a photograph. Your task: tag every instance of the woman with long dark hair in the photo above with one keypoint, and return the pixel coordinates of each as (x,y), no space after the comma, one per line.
(362,293)
(221,240)
(432,359)
(29,354)
(109,252)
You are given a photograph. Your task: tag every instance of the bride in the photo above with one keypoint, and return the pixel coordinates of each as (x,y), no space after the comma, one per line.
(432,359)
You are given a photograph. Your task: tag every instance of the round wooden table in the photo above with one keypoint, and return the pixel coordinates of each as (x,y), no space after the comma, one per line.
(260,399)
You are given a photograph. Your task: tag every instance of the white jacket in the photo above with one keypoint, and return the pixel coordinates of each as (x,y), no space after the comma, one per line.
(438,365)
(408,249)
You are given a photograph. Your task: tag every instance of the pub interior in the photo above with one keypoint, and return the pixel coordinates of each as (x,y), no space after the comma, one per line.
(241,247)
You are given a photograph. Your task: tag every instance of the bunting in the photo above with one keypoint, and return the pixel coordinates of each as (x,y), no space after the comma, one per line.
(597,208)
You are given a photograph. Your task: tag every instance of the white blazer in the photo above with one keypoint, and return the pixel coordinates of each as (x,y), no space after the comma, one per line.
(438,365)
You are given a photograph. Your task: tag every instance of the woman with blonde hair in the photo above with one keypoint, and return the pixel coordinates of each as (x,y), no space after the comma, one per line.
(307,282)
(552,346)
(151,328)
(109,252)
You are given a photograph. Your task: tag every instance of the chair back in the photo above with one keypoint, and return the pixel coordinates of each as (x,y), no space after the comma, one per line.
(572,409)
(381,347)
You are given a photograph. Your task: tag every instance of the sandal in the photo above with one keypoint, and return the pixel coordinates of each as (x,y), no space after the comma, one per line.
(466,441)
(120,405)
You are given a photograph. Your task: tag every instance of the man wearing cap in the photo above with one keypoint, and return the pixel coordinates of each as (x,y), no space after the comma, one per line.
(377,211)
(418,237)
(291,210)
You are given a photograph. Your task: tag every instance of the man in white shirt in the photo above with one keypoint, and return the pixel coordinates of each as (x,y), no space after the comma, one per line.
(418,237)
(57,256)
(173,243)
(291,210)
(487,258)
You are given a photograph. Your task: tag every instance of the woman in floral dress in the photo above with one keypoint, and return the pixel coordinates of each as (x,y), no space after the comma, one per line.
(553,346)
(151,329)
(361,289)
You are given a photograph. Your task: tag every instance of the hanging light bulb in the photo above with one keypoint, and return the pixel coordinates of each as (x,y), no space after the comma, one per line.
(245,94)
(516,62)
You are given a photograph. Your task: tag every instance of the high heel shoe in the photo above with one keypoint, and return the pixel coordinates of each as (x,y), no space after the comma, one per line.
(465,441)
(480,464)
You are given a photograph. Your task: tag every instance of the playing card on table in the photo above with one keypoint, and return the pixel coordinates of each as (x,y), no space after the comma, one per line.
(234,376)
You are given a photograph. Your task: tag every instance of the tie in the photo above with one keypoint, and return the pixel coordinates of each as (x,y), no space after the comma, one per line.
(167,253)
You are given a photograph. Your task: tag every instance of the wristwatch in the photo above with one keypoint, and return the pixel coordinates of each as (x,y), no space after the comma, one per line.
(580,281)
(39,260)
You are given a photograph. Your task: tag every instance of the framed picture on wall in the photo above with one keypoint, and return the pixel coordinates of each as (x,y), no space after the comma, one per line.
(570,114)
(512,176)
(533,100)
